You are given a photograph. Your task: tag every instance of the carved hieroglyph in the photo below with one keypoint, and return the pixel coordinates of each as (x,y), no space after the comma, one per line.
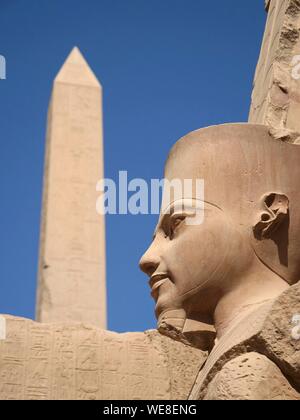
(275,98)
(73,361)
(71,283)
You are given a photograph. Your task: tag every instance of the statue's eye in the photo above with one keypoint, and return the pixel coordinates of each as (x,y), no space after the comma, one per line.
(175,222)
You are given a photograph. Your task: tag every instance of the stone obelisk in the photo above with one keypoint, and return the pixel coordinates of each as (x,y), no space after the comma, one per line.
(71,279)
(275,98)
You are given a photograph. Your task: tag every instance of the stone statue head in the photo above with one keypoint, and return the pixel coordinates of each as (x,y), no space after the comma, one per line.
(246,249)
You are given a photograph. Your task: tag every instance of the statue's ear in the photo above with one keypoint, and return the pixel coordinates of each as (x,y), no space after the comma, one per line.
(274,211)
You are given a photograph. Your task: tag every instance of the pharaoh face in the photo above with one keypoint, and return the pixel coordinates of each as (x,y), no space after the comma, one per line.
(190,264)
(250,179)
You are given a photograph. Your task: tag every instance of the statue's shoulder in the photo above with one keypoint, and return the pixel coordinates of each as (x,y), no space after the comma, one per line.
(271,335)
(279,337)
(250,376)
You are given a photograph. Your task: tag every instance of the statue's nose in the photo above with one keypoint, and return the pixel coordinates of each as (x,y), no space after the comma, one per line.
(149,262)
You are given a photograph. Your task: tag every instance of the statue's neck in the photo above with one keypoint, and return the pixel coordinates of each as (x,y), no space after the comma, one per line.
(251,292)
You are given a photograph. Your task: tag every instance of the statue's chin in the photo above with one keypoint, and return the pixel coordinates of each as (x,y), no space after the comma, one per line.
(173,318)
(174,324)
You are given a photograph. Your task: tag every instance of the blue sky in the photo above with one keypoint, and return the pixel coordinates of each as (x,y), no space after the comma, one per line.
(167,67)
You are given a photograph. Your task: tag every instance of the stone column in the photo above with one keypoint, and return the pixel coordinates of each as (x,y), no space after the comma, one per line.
(71,279)
(276,92)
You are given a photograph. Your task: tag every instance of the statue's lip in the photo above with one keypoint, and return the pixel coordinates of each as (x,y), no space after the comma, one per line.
(156,281)
(157,277)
